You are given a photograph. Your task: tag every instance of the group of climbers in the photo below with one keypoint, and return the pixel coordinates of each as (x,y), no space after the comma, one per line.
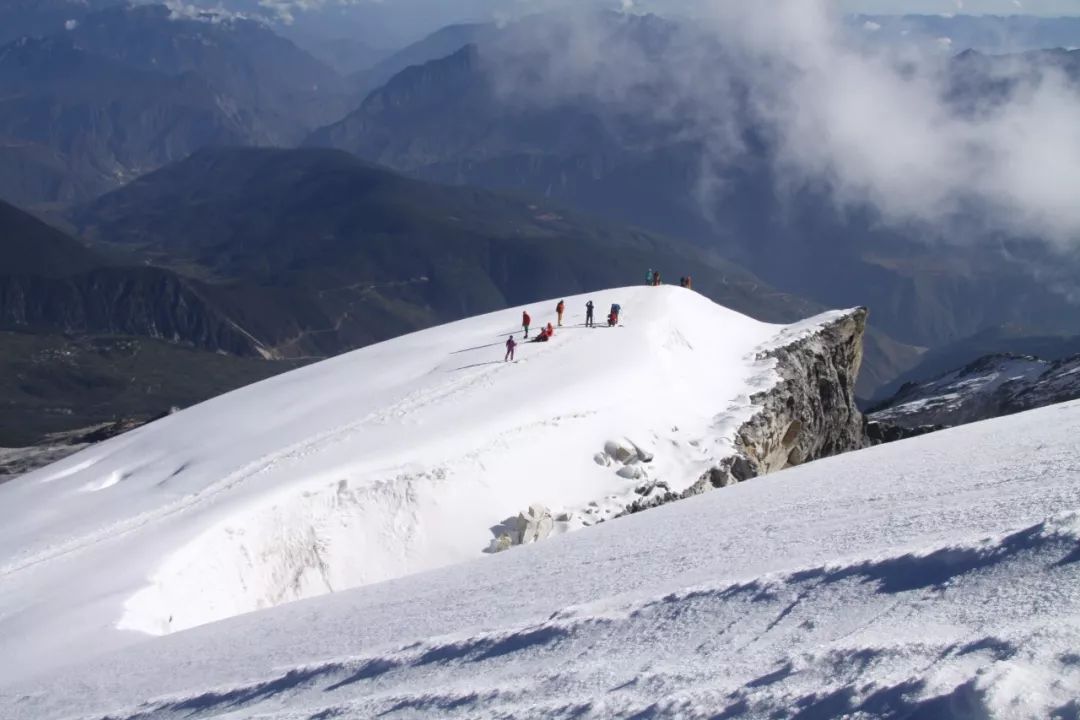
(548,331)
(652,278)
(545,332)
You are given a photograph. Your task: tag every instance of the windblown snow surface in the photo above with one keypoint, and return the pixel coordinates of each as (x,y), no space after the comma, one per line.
(932,578)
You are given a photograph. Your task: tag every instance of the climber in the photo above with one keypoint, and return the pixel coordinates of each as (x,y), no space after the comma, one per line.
(510,345)
(545,334)
(689,283)
(613,316)
(525,321)
(656,278)
(589,315)
(559,311)
(649,276)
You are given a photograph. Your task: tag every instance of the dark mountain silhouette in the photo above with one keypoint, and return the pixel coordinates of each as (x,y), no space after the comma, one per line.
(439,44)
(85,340)
(30,247)
(50,282)
(344,253)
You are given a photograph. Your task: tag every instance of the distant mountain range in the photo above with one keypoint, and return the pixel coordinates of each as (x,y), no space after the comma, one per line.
(86,340)
(455,120)
(317,251)
(126,89)
(989,387)
(247,253)
(959,32)
(130,121)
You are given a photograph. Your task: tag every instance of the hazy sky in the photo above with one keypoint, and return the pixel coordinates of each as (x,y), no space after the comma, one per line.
(1000,7)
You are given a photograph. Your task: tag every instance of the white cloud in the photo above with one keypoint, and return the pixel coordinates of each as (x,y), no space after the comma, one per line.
(180,10)
(879,129)
(874,127)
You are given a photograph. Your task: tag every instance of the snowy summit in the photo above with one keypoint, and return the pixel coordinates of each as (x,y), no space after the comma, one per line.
(394,459)
(929,578)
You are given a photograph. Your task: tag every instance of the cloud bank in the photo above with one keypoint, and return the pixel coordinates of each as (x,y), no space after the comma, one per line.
(889,130)
(923,137)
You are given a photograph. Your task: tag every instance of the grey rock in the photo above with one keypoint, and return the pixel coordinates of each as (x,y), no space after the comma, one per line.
(533,525)
(810,414)
(879,433)
(621,451)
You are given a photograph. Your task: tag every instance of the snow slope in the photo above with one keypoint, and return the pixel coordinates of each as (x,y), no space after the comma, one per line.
(937,577)
(391,460)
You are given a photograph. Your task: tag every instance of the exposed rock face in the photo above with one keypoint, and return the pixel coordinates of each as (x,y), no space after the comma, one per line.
(528,527)
(879,433)
(808,414)
(811,414)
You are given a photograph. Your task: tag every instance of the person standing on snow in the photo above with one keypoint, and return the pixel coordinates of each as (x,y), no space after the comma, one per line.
(649,277)
(525,321)
(589,315)
(656,278)
(559,311)
(510,345)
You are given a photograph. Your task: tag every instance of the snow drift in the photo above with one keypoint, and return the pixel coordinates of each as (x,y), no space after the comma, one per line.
(410,455)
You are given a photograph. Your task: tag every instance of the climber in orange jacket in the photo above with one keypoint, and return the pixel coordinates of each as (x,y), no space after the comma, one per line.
(546,334)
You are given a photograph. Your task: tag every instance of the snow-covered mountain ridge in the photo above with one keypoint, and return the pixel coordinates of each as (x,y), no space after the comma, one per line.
(410,455)
(991,386)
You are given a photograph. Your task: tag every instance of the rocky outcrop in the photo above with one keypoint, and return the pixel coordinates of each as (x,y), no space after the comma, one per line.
(879,433)
(530,526)
(808,413)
